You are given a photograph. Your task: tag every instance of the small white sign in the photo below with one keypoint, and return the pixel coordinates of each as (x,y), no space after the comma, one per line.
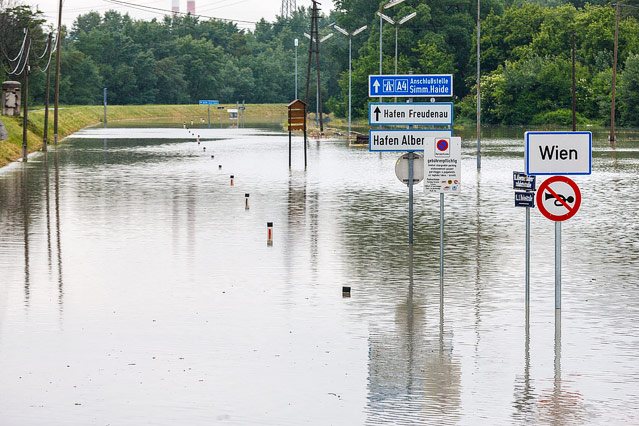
(442,165)
(558,153)
(404,140)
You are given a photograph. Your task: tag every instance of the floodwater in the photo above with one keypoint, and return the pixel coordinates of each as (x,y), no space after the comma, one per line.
(136,288)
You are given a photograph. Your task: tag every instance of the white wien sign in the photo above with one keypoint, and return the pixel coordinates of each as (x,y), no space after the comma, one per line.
(558,153)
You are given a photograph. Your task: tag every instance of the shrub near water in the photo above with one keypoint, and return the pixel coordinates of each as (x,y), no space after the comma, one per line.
(561,117)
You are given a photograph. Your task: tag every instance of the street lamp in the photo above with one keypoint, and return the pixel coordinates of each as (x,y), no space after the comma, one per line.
(326,37)
(382,16)
(350,39)
(400,22)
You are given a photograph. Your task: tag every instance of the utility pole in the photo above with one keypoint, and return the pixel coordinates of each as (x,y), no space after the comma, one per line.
(612,137)
(25,103)
(57,76)
(478,85)
(46,99)
(314,48)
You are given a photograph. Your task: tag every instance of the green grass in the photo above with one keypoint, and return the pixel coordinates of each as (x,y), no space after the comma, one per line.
(73,118)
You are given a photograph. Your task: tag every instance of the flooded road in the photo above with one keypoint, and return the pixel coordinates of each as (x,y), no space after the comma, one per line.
(136,288)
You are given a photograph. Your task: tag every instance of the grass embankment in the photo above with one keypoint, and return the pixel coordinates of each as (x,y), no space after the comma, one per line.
(73,118)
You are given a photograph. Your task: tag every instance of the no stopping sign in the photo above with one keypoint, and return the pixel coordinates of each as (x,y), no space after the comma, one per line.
(558,198)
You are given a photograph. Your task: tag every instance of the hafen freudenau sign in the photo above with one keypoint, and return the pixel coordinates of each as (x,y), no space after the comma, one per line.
(558,153)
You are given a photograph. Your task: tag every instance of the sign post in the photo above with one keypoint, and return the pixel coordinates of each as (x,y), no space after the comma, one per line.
(209,103)
(558,199)
(409,169)
(442,174)
(525,198)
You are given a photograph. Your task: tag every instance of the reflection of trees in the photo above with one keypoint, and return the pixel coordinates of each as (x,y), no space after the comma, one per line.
(413,377)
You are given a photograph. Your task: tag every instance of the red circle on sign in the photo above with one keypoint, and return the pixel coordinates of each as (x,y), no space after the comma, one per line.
(442,144)
(545,186)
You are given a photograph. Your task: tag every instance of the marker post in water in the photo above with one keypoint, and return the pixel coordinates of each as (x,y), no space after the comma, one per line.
(269,228)
(246,197)
(232,177)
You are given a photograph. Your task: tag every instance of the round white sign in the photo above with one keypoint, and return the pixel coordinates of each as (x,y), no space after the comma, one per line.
(401,168)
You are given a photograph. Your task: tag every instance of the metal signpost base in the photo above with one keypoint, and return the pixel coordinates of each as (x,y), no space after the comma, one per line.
(557,265)
(441,236)
(411,157)
(527,255)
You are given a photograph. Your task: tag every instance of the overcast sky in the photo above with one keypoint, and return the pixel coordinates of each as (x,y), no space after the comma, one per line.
(244,10)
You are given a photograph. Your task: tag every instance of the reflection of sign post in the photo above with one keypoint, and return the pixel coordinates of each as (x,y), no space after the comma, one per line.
(558,199)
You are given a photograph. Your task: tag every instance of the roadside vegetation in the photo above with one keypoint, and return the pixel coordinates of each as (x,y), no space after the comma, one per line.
(525,51)
(74,118)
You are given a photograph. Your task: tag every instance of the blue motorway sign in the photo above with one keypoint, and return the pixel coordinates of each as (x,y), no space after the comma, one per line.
(209,102)
(524,199)
(410,85)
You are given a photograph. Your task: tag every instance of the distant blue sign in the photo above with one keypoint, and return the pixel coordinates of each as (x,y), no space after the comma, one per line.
(410,85)
(209,102)
(524,199)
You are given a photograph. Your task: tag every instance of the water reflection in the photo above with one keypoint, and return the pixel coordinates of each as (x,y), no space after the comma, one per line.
(25,224)
(57,230)
(525,397)
(172,299)
(413,376)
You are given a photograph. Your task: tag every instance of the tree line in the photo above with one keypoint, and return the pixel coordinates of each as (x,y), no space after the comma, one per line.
(526,57)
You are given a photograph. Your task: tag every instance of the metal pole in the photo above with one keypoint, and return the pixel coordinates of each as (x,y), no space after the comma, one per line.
(441,236)
(574,104)
(105,106)
(411,158)
(46,101)
(380,53)
(289,138)
(527,255)
(478,86)
(56,101)
(296,43)
(209,110)
(557,265)
(350,42)
(614,79)
(396,27)
(305,162)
